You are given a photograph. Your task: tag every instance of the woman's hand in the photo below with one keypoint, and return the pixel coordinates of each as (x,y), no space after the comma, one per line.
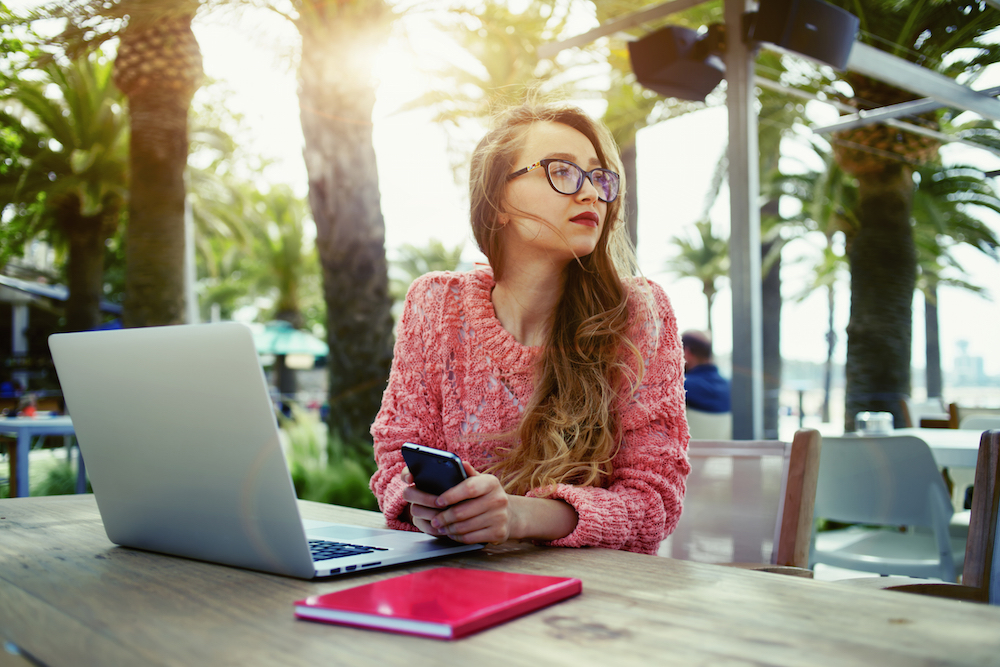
(479,510)
(476,510)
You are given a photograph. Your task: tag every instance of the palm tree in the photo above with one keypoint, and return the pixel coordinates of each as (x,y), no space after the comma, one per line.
(413,262)
(944,204)
(158,68)
(336,98)
(705,257)
(70,177)
(504,68)
(631,107)
(827,196)
(950,37)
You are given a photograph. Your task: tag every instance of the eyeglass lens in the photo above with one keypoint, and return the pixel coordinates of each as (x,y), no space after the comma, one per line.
(567,178)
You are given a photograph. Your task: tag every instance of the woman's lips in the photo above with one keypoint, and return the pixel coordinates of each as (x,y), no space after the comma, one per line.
(589,219)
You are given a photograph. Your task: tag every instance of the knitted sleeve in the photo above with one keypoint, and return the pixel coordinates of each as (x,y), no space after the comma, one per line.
(411,404)
(642,502)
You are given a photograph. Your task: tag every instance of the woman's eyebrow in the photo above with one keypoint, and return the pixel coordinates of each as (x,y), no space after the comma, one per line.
(594,162)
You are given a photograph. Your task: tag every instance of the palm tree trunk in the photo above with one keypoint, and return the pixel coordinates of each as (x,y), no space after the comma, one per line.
(631,192)
(771,344)
(158,67)
(709,298)
(831,344)
(336,102)
(84,271)
(933,342)
(771,332)
(883,263)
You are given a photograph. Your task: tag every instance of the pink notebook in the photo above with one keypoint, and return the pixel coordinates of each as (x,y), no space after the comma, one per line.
(445,603)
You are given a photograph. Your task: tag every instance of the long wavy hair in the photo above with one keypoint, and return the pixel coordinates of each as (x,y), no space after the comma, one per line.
(571,428)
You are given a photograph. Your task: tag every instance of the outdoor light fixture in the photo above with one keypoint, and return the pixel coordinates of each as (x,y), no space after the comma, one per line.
(678,62)
(811,28)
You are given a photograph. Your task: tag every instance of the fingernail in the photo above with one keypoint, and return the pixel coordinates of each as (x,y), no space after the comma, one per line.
(440,503)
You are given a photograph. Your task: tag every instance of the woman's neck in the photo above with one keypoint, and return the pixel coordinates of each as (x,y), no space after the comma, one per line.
(524,301)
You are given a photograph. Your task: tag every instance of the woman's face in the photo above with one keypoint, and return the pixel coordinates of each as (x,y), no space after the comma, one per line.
(541,222)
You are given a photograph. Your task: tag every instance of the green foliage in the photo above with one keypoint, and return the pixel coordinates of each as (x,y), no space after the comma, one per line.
(324,468)
(703,256)
(70,134)
(413,262)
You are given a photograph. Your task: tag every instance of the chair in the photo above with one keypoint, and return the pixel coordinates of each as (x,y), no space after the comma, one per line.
(891,482)
(929,414)
(749,502)
(709,425)
(982,553)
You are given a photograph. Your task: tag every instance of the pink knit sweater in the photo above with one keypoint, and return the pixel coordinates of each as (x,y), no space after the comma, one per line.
(457,372)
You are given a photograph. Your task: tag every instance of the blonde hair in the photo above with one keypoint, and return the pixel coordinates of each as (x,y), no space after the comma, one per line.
(571,428)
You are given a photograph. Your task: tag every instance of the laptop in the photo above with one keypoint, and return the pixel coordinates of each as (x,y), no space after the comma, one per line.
(181,443)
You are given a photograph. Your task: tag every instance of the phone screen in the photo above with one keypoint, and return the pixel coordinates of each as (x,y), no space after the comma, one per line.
(434,471)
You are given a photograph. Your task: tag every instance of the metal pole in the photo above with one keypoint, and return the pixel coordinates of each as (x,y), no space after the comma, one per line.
(744,240)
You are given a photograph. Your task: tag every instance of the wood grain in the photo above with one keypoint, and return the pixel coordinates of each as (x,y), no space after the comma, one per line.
(70,597)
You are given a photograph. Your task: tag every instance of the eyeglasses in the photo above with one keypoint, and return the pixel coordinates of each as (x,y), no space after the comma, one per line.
(566,178)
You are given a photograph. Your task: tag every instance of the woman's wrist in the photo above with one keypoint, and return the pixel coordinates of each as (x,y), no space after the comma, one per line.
(540,518)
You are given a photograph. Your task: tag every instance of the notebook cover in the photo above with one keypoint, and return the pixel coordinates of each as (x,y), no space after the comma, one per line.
(445,602)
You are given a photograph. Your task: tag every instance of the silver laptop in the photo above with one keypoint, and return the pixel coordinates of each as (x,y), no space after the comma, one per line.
(180,440)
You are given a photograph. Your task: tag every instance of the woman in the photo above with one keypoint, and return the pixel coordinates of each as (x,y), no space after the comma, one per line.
(555,376)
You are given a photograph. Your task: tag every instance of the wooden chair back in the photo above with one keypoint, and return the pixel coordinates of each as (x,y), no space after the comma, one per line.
(748,502)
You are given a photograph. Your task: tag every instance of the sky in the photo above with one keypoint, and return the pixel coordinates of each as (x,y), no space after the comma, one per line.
(421,199)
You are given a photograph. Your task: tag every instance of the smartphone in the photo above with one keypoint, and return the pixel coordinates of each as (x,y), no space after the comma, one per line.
(434,471)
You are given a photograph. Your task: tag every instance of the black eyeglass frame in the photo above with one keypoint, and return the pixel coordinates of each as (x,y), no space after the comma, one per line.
(589,175)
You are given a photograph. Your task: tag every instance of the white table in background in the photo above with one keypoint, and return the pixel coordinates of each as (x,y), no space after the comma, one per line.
(26,428)
(951,447)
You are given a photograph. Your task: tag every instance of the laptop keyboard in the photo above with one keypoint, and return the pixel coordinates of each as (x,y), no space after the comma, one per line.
(325,550)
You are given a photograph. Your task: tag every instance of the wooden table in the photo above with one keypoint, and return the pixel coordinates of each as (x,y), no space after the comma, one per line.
(26,428)
(69,597)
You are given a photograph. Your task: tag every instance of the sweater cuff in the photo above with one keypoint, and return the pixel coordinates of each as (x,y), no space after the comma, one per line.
(393,506)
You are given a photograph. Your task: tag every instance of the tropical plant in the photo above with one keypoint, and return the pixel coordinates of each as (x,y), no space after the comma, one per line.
(323,469)
(703,256)
(631,107)
(336,98)
(413,261)
(496,65)
(826,196)
(944,207)
(158,68)
(68,178)
(951,37)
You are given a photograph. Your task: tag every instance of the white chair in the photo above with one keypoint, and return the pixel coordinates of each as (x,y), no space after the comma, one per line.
(891,482)
(982,555)
(980,423)
(749,503)
(709,425)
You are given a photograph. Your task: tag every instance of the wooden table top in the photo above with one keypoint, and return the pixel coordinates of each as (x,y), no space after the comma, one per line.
(70,597)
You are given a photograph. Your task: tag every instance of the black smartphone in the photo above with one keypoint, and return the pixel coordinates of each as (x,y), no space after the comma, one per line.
(434,471)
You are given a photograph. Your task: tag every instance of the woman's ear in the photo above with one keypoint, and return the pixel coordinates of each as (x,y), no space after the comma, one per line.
(502,219)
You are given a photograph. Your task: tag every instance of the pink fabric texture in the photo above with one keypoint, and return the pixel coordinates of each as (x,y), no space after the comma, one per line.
(457,372)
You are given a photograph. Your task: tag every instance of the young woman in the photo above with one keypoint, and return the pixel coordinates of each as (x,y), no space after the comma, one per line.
(554,375)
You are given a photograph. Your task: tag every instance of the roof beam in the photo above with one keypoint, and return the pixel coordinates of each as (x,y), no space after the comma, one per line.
(893,111)
(901,73)
(840,106)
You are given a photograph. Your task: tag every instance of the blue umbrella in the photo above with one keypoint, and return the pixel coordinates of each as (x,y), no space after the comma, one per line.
(281,337)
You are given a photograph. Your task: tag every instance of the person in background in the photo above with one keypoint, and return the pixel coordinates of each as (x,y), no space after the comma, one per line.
(553,373)
(706,390)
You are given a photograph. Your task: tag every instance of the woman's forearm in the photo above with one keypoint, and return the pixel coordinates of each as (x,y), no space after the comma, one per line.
(541,518)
